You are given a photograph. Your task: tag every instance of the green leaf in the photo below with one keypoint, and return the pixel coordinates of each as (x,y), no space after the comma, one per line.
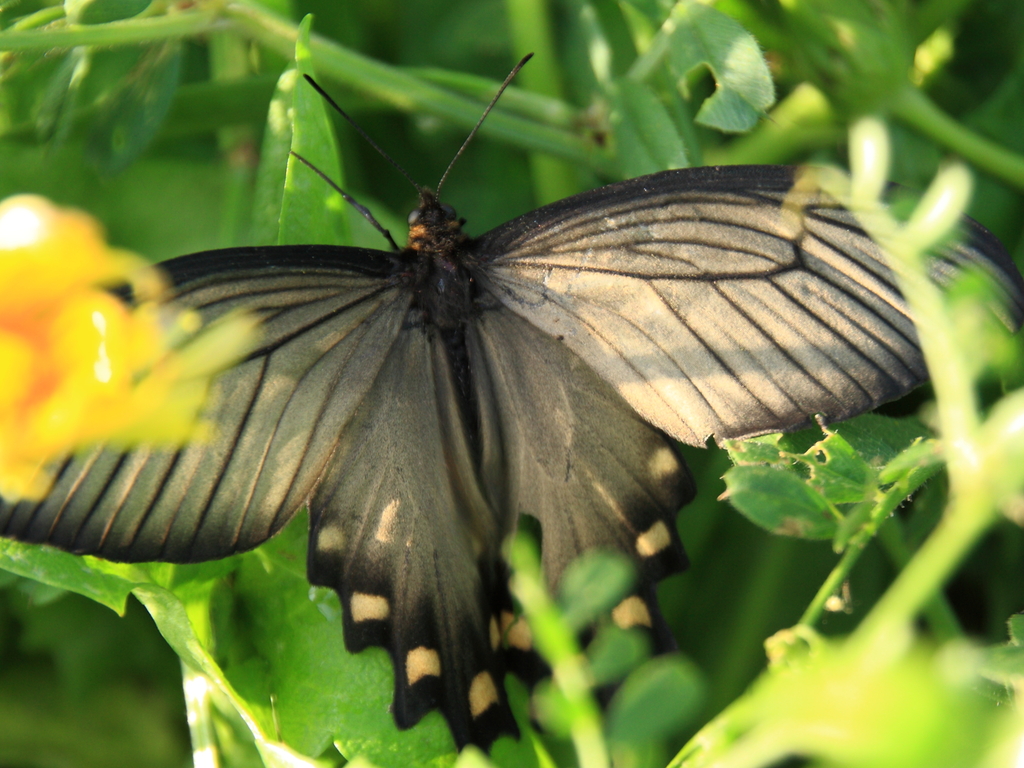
(879,439)
(311,211)
(134,116)
(615,652)
(594,584)
(322,694)
(103,11)
(779,502)
(757,450)
(1016,628)
(838,472)
(103,581)
(552,708)
(656,701)
(268,196)
(702,36)
(1003,664)
(646,138)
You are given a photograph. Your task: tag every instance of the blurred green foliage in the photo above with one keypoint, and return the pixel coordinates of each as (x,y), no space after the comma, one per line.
(154,118)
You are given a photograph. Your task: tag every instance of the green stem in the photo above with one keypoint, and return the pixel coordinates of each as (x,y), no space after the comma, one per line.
(200,721)
(831,585)
(130,31)
(915,109)
(409,93)
(556,642)
(40,18)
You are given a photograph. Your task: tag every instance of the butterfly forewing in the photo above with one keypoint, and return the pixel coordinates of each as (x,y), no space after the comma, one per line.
(717,301)
(276,417)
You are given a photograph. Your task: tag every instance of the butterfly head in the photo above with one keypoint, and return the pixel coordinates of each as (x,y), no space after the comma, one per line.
(435,230)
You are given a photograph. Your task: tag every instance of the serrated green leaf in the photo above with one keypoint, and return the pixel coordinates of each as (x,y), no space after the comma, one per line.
(703,36)
(594,584)
(780,502)
(311,211)
(758,450)
(838,472)
(171,617)
(1003,664)
(655,701)
(646,137)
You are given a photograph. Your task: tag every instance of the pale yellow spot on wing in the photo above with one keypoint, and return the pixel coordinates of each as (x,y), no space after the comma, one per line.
(507,617)
(421,662)
(495,634)
(653,540)
(330,539)
(386,527)
(366,607)
(482,694)
(631,612)
(663,463)
(519,635)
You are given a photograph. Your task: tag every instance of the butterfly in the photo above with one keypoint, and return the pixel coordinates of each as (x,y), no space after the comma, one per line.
(420,402)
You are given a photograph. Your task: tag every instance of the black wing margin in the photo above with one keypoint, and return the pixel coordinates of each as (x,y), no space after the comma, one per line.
(276,414)
(715,312)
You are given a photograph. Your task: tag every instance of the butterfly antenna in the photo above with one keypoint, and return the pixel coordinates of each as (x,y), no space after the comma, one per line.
(501,90)
(362,133)
(349,199)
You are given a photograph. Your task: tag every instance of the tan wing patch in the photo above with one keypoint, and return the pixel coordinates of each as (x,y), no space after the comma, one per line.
(421,662)
(482,694)
(366,607)
(631,612)
(653,540)
(519,635)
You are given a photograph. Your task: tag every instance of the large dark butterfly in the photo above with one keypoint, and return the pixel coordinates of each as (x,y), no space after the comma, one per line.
(419,402)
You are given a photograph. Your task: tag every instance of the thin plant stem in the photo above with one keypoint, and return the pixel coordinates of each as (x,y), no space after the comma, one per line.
(200,722)
(831,585)
(915,109)
(128,32)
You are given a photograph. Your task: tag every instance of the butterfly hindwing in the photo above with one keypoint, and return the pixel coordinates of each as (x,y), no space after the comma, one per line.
(566,449)
(400,528)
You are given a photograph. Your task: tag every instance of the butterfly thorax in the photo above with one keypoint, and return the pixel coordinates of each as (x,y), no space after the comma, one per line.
(435,252)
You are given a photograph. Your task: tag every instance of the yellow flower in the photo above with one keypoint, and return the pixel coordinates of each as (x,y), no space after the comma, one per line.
(79,365)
